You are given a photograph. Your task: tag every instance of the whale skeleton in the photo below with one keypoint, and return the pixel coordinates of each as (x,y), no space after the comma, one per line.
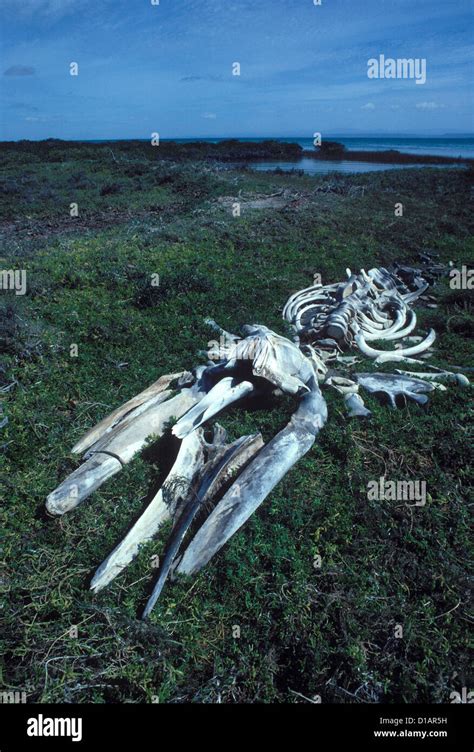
(220,484)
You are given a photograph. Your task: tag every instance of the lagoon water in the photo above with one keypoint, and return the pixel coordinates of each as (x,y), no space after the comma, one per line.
(320,166)
(438,147)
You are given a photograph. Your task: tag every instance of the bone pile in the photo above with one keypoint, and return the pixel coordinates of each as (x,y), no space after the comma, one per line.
(215,485)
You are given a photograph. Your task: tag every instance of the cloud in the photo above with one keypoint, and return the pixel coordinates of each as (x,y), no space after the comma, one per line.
(201,78)
(41,118)
(429,106)
(209,115)
(23,106)
(47,8)
(19,70)
(368,106)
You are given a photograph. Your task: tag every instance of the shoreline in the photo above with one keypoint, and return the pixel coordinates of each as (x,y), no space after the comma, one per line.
(389,156)
(241,152)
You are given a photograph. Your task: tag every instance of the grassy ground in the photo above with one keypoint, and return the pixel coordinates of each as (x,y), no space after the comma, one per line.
(304,631)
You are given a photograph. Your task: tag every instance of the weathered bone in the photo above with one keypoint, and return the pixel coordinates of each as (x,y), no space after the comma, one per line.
(257,480)
(457,378)
(350,390)
(187,463)
(121,448)
(225,392)
(108,436)
(94,434)
(276,359)
(356,407)
(384,356)
(227,460)
(342,385)
(82,482)
(394,386)
(392,332)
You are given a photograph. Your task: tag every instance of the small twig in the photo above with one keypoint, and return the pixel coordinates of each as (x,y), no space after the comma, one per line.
(308,699)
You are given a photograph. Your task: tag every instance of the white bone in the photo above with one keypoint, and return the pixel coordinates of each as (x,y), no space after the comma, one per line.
(383,356)
(458,378)
(355,406)
(121,448)
(223,462)
(255,483)
(185,466)
(220,396)
(95,433)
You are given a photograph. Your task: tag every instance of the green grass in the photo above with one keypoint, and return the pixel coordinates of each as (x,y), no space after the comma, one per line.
(327,631)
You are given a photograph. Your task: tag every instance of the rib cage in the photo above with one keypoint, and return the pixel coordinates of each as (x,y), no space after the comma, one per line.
(367,306)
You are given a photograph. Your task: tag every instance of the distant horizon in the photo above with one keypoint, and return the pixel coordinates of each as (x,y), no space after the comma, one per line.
(330,136)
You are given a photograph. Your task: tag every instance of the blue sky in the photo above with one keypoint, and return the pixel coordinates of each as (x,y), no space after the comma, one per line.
(168,68)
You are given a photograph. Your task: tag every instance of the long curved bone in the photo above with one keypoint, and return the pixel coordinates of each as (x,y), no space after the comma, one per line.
(384,356)
(108,439)
(457,378)
(391,332)
(186,465)
(221,395)
(196,458)
(216,472)
(256,481)
(122,447)
(401,333)
(371,323)
(106,425)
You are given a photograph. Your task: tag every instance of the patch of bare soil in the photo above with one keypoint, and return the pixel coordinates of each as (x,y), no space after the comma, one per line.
(287,198)
(279,200)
